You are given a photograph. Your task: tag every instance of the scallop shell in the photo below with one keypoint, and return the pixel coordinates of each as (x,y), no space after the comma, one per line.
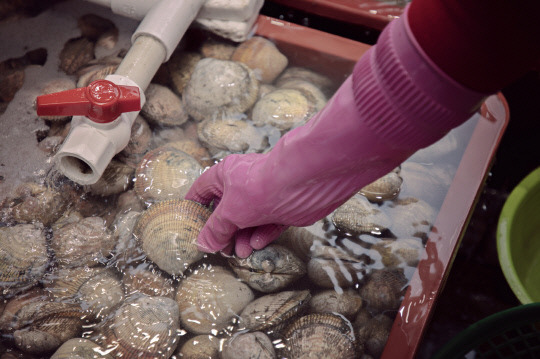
(35,202)
(231,135)
(98,290)
(75,54)
(358,216)
(116,178)
(86,242)
(200,347)
(42,326)
(210,299)
(143,327)
(332,267)
(269,269)
(165,173)
(248,345)
(220,87)
(346,303)
(383,289)
(163,107)
(149,281)
(181,66)
(167,232)
(320,336)
(23,258)
(411,217)
(383,189)
(283,109)
(80,348)
(273,311)
(262,56)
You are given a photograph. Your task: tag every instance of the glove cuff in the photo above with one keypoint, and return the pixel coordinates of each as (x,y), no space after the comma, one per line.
(403,96)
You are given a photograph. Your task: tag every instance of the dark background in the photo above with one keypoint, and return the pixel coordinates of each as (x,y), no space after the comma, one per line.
(476,287)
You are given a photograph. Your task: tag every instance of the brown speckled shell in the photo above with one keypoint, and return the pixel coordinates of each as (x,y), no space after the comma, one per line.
(358,216)
(167,232)
(262,56)
(23,257)
(320,336)
(200,347)
(346,303)
(163,107)
(75,54)
(272,311)
(143,327)
(384,289)
(86,242)
(181,66)
(80,348)
(248,345)
(165,173)
(210,298)
(217,48)
(385,188)
(139,143)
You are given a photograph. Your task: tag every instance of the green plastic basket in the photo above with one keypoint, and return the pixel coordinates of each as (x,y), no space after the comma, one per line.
(512,333)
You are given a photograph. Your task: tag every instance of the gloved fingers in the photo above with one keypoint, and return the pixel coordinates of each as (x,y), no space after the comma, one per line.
(216,234)
(242,247)
(265,234)
(207,188)
(228,251)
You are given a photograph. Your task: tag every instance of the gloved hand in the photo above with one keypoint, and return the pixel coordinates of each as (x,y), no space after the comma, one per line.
(395,102)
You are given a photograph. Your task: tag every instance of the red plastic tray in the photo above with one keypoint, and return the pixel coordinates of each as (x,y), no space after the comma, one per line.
(370,13)
(335,56)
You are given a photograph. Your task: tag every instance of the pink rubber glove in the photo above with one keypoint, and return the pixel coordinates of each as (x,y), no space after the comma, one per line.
(395,102)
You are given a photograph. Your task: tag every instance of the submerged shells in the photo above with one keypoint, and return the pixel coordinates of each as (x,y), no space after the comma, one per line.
(358,216)
(320,336)
(116,178)
(219,87)
(248,345)
(80,348)
(164,173)
(23,257)
(210,299)
(167,233)
(384,188)
(269,269)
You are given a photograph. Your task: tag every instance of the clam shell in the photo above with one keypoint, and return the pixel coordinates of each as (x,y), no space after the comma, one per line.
(403,251)
(220,87)
(346,303)
(181,66)
(129,201)
(139,143)
(273,311)
(283,109)
(385,188)
(80,348)
(269,269)
(143,327)
(411,217)
(358,216)
(301,73)
(194,149)
(247,346)
(23,257)
(42,326)
(116,178)
(86,242)
(332,267)
(75,54)
(231,135)
(200,347)
(383,289)
(210,299)
(165,173)
(163,107)
(314,95)
(149,281)
(374,334)
(262,56)
(127,251)
(97,289)
(167,233)
(320,336)
(10,308)
(301,240)
(217,48)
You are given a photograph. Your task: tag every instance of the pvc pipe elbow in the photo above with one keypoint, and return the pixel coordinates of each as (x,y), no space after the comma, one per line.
(90,146)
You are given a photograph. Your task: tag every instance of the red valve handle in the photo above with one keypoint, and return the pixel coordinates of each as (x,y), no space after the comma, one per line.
(102,101)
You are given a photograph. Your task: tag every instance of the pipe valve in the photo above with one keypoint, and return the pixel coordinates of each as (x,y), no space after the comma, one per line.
(102,101)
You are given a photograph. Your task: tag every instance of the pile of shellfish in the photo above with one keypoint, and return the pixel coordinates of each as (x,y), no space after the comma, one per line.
(112,269)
